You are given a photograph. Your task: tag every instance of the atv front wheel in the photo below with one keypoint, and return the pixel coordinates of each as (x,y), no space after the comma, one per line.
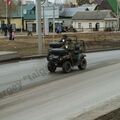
(51,67)
(66,67)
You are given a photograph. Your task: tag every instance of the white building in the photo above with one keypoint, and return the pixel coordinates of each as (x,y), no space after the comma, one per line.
(67,13)
(95,20)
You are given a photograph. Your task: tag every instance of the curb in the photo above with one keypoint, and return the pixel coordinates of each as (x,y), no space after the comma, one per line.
(100,50)
(45,55)
(23,58)
(5,55)
(34,57)
(100,110)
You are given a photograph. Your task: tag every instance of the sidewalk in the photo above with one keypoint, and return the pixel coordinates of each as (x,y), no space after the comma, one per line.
(17,34)
(5,55)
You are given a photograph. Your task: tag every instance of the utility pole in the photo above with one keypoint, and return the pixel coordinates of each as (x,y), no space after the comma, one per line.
(53,21)
(6,12)
(38,19)
(118,15)
(21,15)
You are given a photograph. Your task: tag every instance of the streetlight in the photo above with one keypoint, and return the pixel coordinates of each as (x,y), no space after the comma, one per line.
(118,15)
(21,16)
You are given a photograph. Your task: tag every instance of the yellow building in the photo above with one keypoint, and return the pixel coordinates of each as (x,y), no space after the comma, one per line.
(18,21)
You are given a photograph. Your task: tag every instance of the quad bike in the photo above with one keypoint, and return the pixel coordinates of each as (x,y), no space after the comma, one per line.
(60,55)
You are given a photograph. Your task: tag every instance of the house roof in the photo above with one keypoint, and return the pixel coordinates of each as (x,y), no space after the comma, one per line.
(70,12)
(108,4)
(28,6)
(93,15)
(104,5)
(98,2)
(29,12)
(17,12)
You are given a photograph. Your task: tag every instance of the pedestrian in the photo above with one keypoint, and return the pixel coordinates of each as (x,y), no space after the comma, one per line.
(30,33)
(10,32)
(5,29)
(13,35)
(58,29)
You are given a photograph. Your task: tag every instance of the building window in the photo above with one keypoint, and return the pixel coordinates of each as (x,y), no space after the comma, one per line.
(79,25)
(90,25)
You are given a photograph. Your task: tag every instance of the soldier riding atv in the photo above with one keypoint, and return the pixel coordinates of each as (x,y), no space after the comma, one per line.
(66,54)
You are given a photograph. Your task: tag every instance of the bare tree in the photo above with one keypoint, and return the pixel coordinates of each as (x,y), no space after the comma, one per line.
(10,9)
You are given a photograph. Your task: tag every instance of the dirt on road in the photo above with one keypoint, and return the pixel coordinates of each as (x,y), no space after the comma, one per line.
(114,115)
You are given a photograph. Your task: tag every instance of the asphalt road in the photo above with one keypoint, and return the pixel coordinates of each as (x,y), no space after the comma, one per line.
(35,71)
(68,97)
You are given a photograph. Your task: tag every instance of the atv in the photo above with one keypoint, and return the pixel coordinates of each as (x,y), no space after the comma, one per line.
(60,55)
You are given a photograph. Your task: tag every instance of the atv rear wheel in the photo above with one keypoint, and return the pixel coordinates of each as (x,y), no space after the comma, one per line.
(66,67)
(51,67)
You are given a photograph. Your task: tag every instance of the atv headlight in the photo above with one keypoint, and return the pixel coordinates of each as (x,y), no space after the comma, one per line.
(63,40)
(66,46)
(60,58)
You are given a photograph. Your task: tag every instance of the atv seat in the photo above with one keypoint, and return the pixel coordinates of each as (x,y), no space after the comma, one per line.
(56,44)
(58,51)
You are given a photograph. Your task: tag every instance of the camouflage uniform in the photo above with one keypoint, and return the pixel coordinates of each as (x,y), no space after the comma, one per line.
(70,44)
